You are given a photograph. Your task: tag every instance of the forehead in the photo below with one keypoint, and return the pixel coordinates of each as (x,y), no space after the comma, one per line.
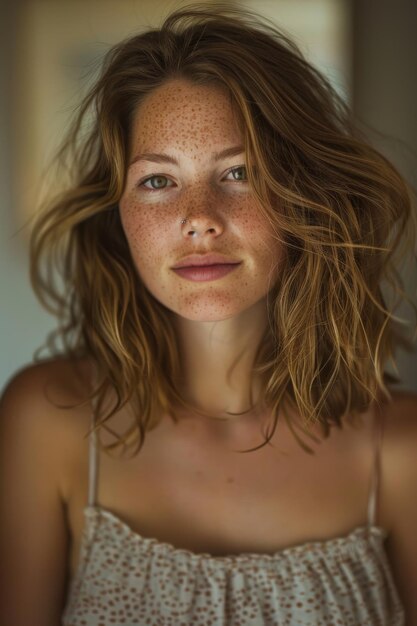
(182,111)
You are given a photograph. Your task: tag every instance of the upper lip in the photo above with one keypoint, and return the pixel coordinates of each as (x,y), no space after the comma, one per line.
(204,259)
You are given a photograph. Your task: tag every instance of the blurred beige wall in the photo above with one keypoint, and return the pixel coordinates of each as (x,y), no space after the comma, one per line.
(50,54)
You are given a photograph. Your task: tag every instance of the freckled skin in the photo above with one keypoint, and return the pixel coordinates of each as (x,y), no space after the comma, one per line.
(191,122)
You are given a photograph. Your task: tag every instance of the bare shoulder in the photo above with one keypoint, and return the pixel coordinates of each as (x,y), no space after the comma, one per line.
(400,434)
(399,490)
(41,418)
(49,399)
(400,415)
(62,377)
(399,448)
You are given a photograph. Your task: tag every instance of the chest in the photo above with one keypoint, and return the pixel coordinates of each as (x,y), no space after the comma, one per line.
(198,494)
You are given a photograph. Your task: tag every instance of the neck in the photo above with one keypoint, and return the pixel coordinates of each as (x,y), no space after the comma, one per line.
(217,360)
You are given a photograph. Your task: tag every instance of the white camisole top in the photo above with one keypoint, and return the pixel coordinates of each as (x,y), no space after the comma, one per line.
(126,579)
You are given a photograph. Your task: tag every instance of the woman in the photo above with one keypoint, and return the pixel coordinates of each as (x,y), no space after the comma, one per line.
(222,249)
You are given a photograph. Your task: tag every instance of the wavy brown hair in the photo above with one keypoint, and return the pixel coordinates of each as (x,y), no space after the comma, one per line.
(342,212)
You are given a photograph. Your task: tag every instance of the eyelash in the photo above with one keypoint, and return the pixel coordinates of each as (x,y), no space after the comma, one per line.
(145,180)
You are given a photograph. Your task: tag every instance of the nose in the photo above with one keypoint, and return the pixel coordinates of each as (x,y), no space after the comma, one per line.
(199,227)
(201,224)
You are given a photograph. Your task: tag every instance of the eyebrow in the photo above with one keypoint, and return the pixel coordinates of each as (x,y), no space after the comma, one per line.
(155,157)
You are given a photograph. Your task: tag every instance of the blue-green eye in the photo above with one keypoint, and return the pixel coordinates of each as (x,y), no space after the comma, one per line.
(236,169)
(157,177)
(161,177)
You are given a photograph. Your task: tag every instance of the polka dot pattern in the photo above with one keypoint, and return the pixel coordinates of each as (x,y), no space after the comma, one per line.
(130,580)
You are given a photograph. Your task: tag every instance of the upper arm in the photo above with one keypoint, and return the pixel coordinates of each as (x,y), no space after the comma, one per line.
(34,537)
(400,479)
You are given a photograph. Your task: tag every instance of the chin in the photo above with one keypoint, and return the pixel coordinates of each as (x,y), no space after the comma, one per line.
(208,312)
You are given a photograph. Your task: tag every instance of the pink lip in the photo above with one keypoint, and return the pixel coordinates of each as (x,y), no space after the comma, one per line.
(208,258)
(206,272)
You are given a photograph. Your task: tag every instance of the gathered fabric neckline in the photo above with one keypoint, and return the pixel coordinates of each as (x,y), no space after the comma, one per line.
(357,533)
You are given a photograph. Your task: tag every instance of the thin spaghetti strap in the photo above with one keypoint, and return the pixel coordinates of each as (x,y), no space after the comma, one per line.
(93,452)
(376,470)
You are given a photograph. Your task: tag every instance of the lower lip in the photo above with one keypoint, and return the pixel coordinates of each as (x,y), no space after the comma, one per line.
(206,272)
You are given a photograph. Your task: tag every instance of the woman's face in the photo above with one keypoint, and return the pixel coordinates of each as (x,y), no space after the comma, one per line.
(191,124)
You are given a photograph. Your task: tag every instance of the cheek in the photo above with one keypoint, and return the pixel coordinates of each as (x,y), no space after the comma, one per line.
(269,254)
(258,233)
(144,229)
(250,215)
